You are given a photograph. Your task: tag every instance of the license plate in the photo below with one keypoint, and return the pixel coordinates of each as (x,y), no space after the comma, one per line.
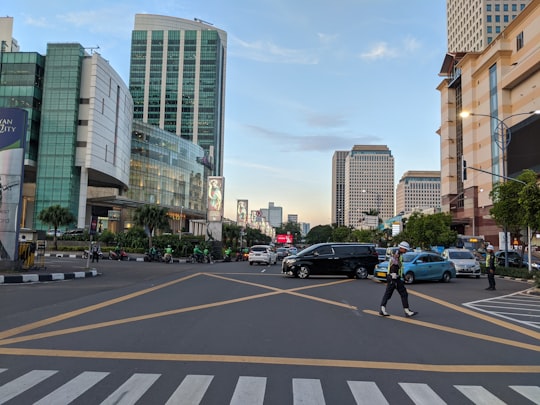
(381,274)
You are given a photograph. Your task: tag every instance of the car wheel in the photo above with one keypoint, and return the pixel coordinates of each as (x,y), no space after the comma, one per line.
(446,277)
(409,277)
(361,272)
(478,276)
(303,272)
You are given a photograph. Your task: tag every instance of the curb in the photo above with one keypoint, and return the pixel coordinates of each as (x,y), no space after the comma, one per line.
(36,278)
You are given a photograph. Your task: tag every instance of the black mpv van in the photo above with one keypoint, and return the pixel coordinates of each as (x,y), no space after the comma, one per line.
(337,258)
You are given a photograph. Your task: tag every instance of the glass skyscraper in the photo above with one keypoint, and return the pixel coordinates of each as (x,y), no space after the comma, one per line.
(177,80)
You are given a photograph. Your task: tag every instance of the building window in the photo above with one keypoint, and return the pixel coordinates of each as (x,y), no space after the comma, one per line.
(83,123)
(84,101)
(519,41)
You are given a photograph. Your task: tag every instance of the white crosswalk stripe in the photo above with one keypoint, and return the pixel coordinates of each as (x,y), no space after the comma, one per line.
(191,390)
(479,395)
(531,393)
(422,394)
(23,383)
(72,389)
(249,390)
(132,390)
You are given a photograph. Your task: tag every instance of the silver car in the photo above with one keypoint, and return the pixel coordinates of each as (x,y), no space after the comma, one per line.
(262,254)
(464,260)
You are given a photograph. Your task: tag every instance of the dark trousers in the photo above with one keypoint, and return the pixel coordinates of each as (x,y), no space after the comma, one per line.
(391,285)
(95,256)
(491,278)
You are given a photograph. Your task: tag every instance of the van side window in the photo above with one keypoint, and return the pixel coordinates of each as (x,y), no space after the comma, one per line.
(343,251)
(324,250)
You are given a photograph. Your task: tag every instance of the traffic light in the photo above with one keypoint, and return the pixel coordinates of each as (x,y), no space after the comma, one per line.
(464,168)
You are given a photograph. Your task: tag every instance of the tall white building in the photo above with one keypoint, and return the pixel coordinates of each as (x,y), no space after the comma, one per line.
(473,24)
(369,183)
(418,190)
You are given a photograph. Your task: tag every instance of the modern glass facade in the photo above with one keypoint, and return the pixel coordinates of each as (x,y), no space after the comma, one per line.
(21,85)
(58,178)
(165,171)
(177,80)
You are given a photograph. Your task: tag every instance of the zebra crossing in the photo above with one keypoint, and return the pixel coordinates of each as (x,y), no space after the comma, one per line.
(249,390)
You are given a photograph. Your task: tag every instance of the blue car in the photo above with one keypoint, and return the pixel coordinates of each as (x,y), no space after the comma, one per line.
(420,266)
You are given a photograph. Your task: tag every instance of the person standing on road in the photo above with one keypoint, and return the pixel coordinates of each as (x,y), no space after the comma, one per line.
(490,267)
(394,280)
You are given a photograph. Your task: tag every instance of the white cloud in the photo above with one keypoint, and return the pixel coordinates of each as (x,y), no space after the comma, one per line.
(379,51)
(41,22)
(267,51)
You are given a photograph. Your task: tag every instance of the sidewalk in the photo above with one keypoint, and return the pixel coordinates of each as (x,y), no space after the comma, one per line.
(40,273)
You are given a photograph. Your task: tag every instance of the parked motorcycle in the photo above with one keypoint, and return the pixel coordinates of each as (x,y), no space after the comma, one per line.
(153,257)
(122,255)
(86,253)
(196,258)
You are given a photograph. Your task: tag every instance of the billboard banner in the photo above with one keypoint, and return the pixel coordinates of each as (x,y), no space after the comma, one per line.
(215,198)
(241,213)
(12,144)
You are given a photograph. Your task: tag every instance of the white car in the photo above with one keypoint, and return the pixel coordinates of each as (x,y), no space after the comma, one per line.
(464,260)
(262,254)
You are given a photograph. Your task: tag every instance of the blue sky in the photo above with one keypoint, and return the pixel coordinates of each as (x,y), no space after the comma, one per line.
(304,78)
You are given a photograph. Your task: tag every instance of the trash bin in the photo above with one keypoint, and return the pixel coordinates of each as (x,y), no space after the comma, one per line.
(27,254)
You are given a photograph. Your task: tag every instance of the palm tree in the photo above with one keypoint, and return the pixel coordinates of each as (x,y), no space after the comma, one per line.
(151,217)
(56,216)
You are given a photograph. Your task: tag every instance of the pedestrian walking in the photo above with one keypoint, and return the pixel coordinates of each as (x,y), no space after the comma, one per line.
(95,252)
(490,267)
(394,281)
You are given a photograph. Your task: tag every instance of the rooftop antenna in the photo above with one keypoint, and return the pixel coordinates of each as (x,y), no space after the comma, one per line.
(202,21)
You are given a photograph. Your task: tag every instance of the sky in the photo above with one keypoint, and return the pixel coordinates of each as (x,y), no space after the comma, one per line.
(304,79)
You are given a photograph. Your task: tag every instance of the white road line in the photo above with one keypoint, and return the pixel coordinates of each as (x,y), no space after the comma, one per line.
(132,390)
(529,392)
(479,395)
(72,389)
(307,392)
(191,390)
(23,383)
(249,390)
(367,393)
(422,394)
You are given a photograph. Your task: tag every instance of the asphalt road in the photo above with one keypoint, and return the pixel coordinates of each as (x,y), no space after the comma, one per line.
(230,333)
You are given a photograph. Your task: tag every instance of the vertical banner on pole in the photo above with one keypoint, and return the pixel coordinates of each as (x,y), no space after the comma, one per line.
(241,213)
(13,123)
(215,198)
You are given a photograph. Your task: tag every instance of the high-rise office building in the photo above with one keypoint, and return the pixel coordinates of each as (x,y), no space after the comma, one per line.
(7,42)
(369,183)
(177,80)
(499,89)
(338,187)
(418,190)
(473,25)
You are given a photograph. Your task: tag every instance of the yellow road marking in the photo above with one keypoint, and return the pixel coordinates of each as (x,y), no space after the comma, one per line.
(479,315)
(461,332)
(62,317)
(290,361)
(275,291)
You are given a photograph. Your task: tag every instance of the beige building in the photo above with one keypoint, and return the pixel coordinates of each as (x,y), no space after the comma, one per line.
(7,42)
(474,24)
(369,183)
(418,191)
(500,88)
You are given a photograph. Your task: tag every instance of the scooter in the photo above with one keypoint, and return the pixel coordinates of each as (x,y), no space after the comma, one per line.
(153,257)
(118,256)
(86,253)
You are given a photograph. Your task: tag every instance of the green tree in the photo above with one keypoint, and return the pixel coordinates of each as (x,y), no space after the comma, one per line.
(56,216)
(151,217)
(231,234)
(341,234)
(425,231)
(318,234)
(516,204)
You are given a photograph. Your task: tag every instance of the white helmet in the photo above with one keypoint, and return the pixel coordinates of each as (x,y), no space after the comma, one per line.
(490,247)
(404,245)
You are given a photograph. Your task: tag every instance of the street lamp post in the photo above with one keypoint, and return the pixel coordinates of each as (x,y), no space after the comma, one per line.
(181,220)
(503,139)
